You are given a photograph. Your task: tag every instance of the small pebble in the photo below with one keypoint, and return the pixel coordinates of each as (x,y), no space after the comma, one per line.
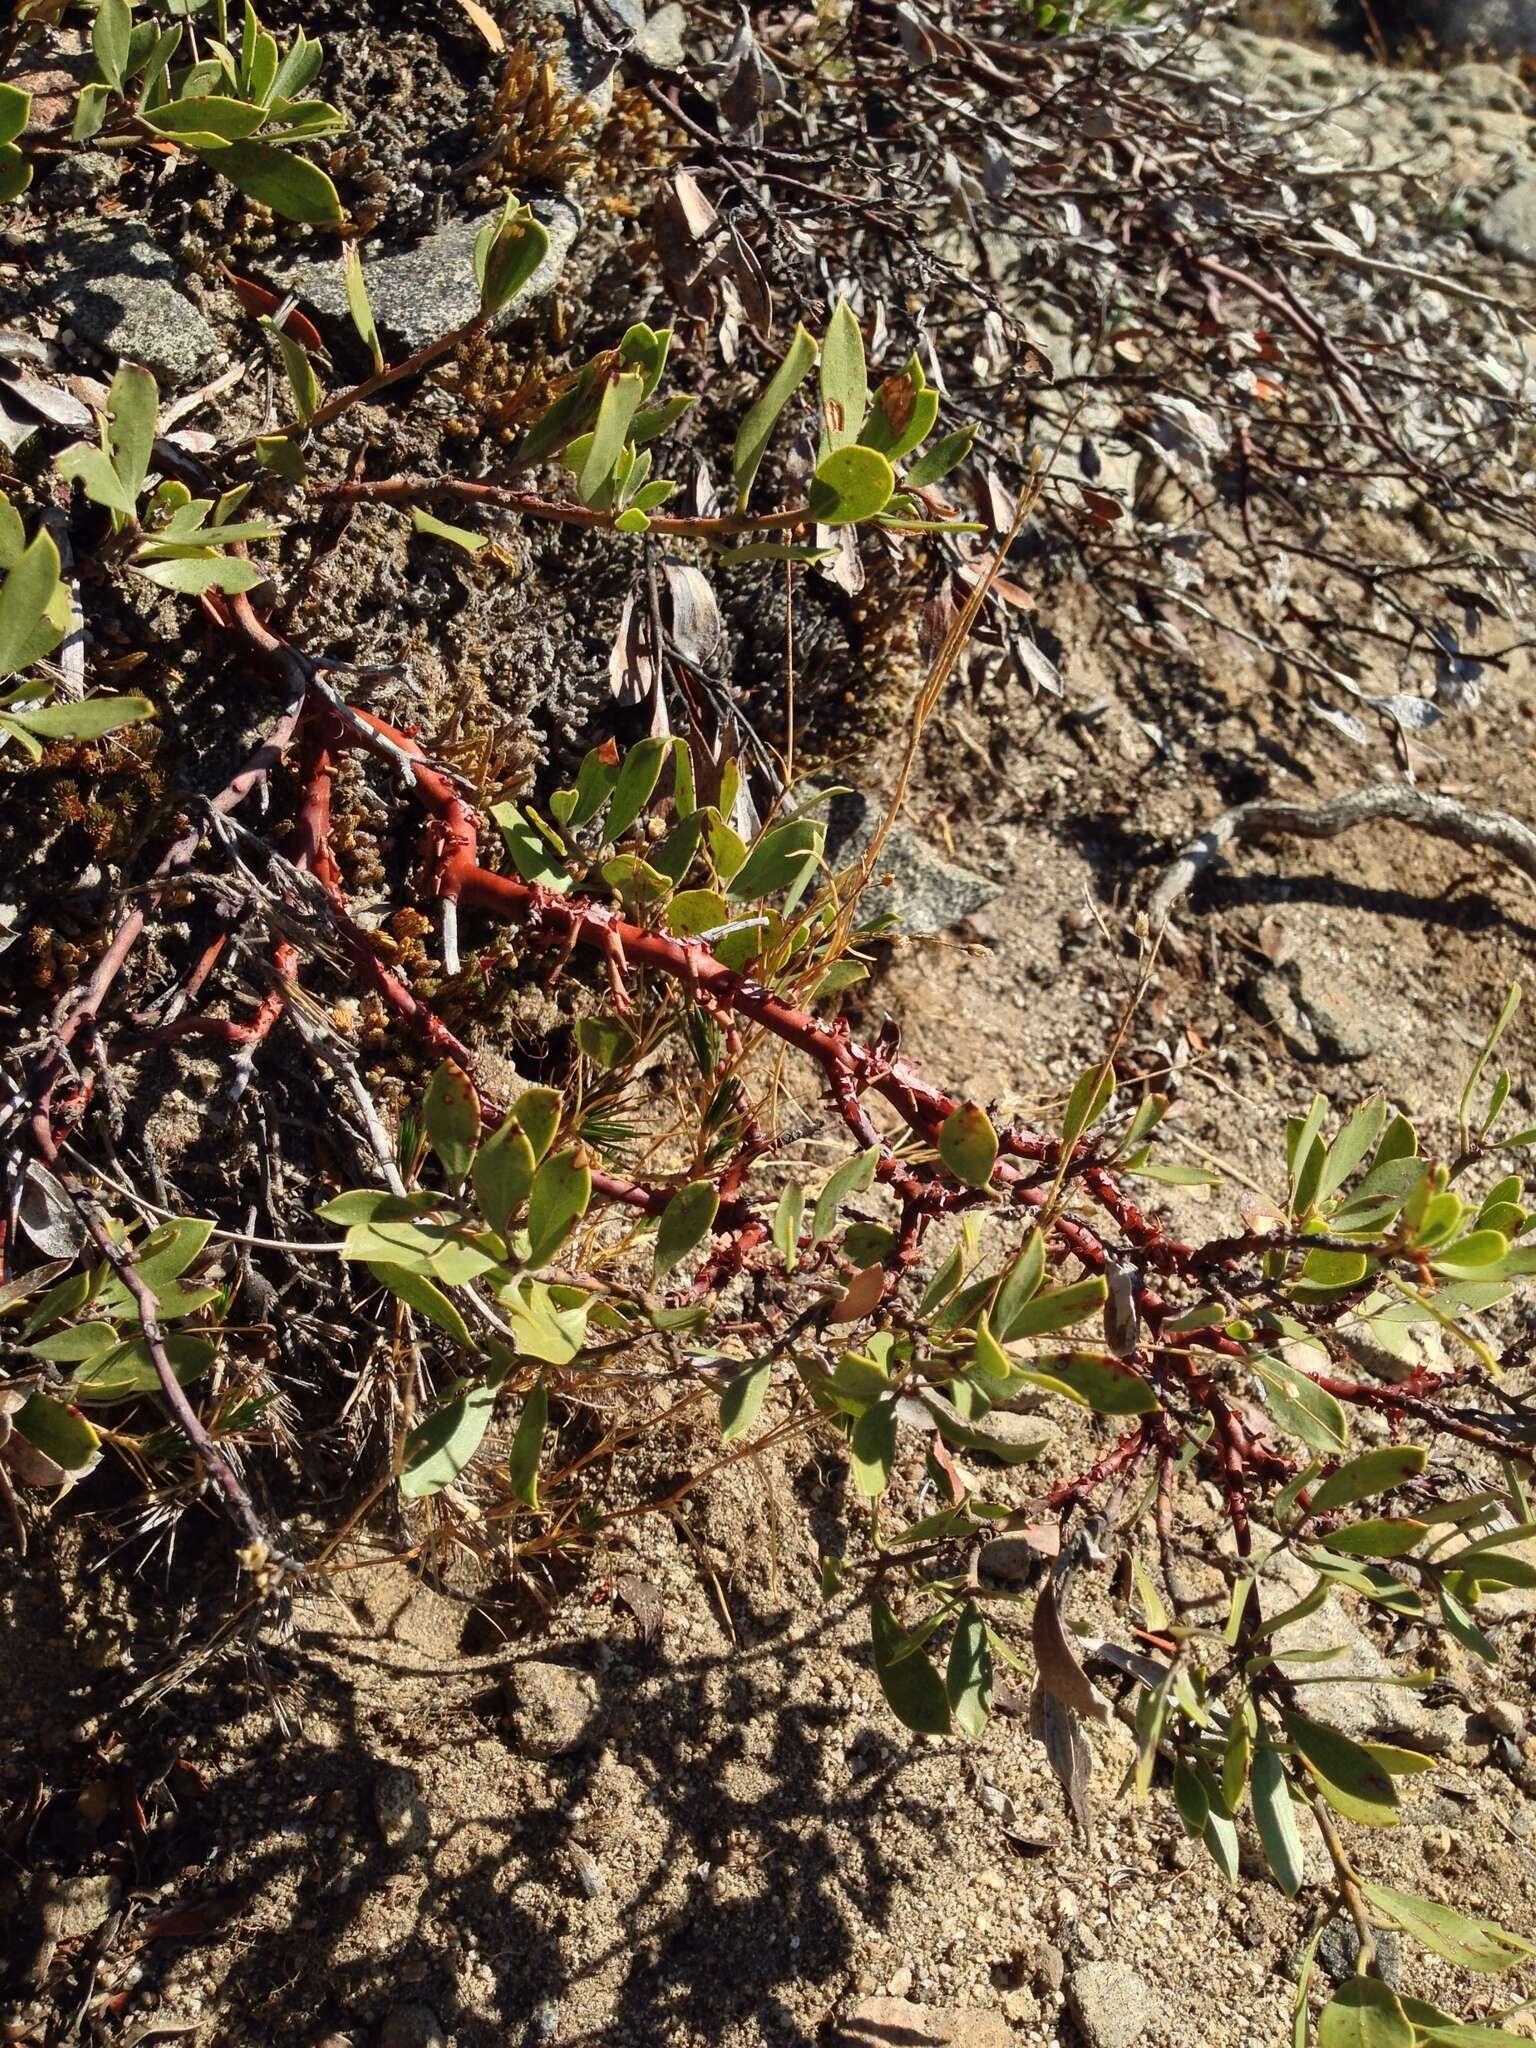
(589,1878)
(1505,1718)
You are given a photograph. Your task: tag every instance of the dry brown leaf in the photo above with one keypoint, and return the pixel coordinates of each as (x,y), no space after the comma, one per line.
(486,23)
(863,1296)
(1056,1661)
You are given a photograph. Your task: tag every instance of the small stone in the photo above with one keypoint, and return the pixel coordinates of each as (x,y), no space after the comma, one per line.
(412,2026)
(80,179)
(901,1982)
(1439,1846)
(120,292)
(544,2022)
(662,41)
(82,1904)
(1505,1717)
(1508,226)
(1050,1967)
(920,887)
(590,1881)
(1113,2004)
(421,292)
(1338,1950)
(1012,1559)
(401,1812)
(879,2022)
(552,1708)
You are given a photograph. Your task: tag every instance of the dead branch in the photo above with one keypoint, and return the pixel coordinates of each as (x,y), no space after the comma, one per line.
(1387,803)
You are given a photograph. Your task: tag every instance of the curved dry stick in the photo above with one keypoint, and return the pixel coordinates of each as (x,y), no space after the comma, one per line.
(1387,802)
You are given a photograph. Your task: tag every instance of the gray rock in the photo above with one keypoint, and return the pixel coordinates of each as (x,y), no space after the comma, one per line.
(81,1904)
(412,2026)
(79,179)
(1486,85)
(419,293)
(1318,1018)
(884,2022)
(662,41)
(544,2024)
(589,62)
(1357,1700)
(1113,2004)
(552,1708)
(1508,227)
(1012,1559)
(919,886)
(1338,1950)
(401,1812)
(119,290)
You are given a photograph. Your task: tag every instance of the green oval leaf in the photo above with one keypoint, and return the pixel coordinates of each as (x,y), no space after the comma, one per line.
(424,1295)
(28,607)
(1364,2013)
(616,409)
(742,1401)
(528,1445)
(58,1432)
(1348,1776)
(968,1144)
(850,1178)
(508,250)
(207,114)
(1274,1813)
(632,791)
(850,484)
(287,183)
(763,415)
(562,1188)
(873,1449)
(1105,1384)
(913,1690)
(1302,1408)
(1018,1286)
(1461,1938)
(440,1448)
(191,575)
(111,33)
(1372,1472)
(129,1369)
(451,1113)
(941,458)
(844,383)
(538,1110)
(685,1221)
(1383,1536)
(503,1174)
(788,1216)
(1060,1308)
(968,1675)
(782,861)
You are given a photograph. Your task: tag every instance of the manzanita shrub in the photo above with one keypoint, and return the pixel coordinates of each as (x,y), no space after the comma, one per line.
(237,103)
(640,1206)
